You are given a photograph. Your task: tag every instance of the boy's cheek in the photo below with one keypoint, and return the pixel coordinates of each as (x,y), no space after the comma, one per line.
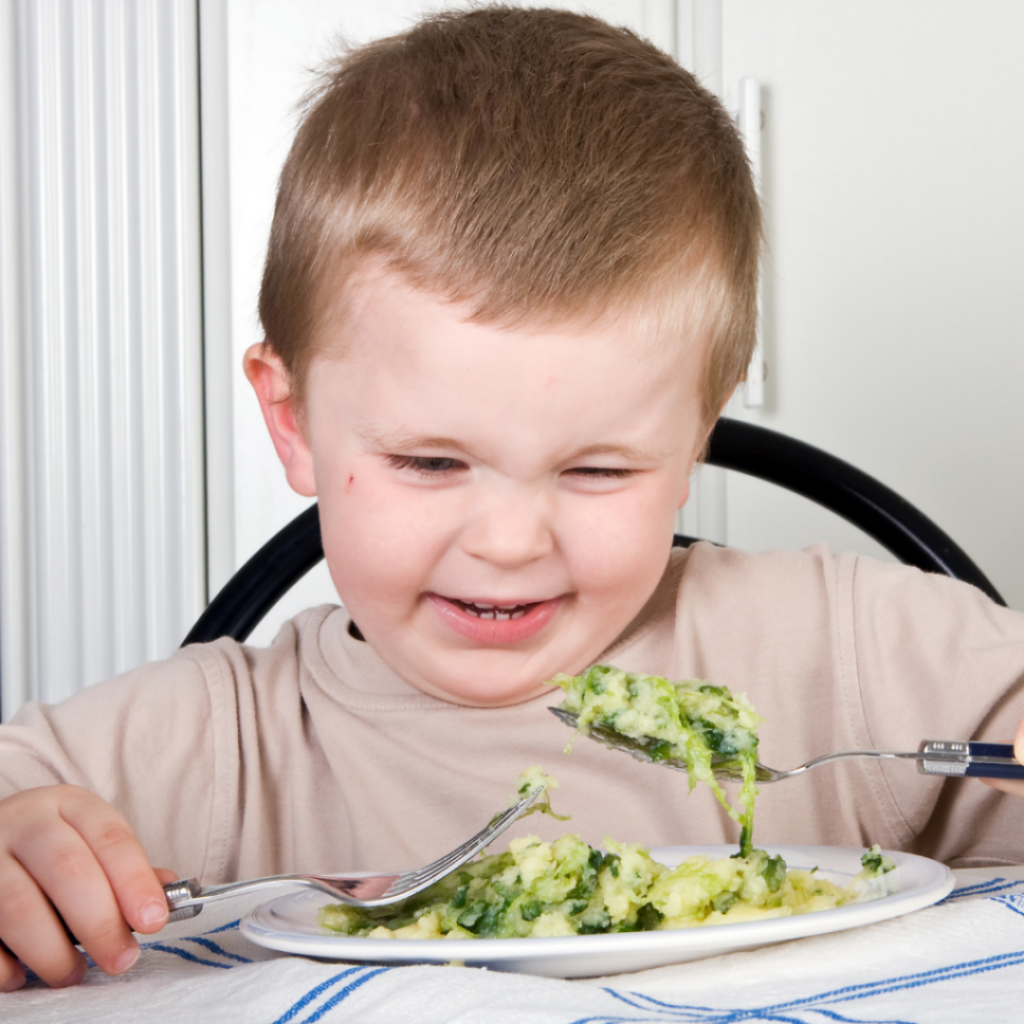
(372,540)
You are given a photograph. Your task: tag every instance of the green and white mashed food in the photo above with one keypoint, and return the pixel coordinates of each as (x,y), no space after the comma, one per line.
(692,722)
(542,889)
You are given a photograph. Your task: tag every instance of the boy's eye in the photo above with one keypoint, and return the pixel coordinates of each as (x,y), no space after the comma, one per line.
(426,465)
(602,472)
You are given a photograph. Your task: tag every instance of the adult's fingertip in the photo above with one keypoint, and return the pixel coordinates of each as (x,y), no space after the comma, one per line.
(125,960)
(1018,743)
(76,975)
(1015,787)
(14,982)
(153,916)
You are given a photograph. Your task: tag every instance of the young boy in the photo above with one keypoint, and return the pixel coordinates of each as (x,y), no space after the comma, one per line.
(510,286)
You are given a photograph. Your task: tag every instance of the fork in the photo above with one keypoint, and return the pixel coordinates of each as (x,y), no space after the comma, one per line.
(934,757)
(186,897)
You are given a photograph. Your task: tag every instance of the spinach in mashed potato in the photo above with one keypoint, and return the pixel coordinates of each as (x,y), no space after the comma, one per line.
(541,889)
(700,725)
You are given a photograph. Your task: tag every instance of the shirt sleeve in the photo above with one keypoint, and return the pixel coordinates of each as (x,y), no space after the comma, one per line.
(931,657)
(155,743)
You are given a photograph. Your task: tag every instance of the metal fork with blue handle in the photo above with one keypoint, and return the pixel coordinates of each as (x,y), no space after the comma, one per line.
(934,757)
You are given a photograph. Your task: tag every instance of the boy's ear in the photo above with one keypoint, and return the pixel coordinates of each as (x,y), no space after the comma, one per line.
(684,494)
(271,383)
(699,451)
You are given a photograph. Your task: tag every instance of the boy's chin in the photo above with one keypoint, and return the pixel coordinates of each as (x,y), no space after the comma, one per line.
(441,664)
(483,693)
(478,682)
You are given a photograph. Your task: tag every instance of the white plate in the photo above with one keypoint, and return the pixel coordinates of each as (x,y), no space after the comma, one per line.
(289,924)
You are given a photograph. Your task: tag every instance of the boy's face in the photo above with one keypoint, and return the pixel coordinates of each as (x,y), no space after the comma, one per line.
(496,505)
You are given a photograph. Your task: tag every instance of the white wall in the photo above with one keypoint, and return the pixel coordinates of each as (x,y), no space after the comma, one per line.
(894,160)
(101,477)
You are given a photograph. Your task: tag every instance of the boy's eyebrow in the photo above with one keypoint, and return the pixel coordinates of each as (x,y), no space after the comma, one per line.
(400,444)
(628,451)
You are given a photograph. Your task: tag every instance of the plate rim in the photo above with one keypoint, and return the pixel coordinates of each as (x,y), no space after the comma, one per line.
(711,941)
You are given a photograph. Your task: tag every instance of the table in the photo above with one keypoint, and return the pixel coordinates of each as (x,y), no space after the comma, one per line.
(960,961)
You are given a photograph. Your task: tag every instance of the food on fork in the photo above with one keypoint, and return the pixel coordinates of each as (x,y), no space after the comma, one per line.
(691,721)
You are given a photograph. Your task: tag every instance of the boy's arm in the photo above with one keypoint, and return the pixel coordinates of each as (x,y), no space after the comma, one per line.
(95,788)
(938,660)
(145,743)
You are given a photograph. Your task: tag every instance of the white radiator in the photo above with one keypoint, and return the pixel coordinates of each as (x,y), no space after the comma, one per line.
(102,561)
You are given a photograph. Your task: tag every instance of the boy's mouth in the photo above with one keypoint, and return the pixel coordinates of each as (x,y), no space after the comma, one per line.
(497,612)
(490,623)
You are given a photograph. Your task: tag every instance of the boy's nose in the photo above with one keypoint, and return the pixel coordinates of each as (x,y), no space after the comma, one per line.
(509,533)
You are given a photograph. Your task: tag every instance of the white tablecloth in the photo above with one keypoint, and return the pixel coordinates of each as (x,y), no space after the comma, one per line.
(960,961)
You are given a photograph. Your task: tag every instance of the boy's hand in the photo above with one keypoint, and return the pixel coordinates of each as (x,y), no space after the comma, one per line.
(63,847)
(1013,786)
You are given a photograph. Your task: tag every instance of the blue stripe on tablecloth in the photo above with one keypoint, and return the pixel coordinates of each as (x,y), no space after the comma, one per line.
(982,888)
(214,948)
(320,989)
(781,1011)
(225,927)
(344,994)
(161,947)
(1012,902)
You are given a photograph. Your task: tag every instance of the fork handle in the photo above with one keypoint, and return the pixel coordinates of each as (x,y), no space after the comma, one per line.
(977,759)
(186,897)
(177,893)
(182,892)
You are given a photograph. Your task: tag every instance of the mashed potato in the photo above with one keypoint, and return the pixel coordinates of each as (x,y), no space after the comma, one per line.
(539,889)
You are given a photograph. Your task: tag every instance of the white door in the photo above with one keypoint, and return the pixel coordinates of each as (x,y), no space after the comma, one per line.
(893,161)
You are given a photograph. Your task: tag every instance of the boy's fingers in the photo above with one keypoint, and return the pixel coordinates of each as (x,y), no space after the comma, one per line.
(86,860)
(1018,743)
(1015,787)
(12,974)
(44,947)
(67,871)
(138,892)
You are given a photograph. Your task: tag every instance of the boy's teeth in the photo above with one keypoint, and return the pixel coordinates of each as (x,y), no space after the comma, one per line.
(497,612)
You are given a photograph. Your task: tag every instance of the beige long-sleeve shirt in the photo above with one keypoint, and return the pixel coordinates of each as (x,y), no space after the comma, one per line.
(231,761)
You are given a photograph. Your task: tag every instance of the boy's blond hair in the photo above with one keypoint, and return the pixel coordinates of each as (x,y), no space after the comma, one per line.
(540,165)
